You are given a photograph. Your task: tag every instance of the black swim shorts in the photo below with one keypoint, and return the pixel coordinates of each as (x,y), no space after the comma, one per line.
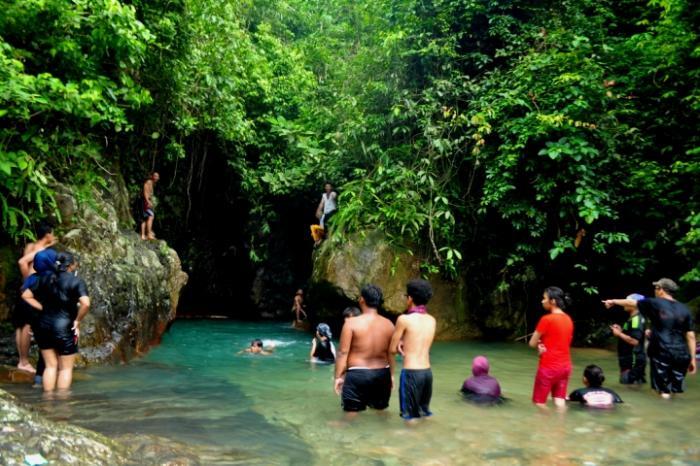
(23,314)
(55,332)
(366,387)
(415,391)
(667,374)
(148,213)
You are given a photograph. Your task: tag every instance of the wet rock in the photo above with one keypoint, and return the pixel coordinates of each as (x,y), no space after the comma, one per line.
(9,374)
(341,269)
(25,432)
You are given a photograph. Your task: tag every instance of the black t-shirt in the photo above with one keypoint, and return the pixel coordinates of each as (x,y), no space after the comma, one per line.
(595,397)
(670,321)
(323,350)
(61,297)
(632,356)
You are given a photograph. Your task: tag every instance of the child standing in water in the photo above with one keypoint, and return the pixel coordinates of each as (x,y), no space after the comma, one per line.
(322,349)
(552,338)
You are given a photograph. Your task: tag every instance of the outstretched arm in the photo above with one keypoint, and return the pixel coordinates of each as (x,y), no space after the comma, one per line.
(610,303)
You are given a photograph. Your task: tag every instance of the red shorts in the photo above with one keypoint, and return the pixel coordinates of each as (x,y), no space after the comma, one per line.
(552,381)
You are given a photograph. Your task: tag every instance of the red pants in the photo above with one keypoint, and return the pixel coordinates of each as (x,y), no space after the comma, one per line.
(552,381)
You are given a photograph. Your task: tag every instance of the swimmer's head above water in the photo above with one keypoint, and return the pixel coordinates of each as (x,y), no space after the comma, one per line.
(256,345)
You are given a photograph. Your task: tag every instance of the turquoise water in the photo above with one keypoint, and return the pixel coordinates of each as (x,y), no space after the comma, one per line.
(280,409)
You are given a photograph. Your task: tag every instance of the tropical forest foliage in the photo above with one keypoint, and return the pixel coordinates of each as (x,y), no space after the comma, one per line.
(511,140)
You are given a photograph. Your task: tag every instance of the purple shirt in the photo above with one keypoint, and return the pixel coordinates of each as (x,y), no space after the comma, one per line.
(482,385)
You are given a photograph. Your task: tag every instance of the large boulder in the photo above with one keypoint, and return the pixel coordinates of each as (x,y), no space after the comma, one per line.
(340,269)
(134,285)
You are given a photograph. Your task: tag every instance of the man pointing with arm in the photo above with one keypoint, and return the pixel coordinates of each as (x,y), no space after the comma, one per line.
(672,343)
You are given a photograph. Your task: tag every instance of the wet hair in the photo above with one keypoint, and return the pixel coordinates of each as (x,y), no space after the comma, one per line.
(420,290)
(43,229)
(372,295)
(562,299)
(594,375)
(351,311)
(256,342)
(63,261)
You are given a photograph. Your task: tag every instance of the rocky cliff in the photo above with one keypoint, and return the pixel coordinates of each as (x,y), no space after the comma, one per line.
(340,269)
(134,285)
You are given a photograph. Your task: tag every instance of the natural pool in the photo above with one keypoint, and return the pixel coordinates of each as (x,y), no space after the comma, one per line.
(279,409)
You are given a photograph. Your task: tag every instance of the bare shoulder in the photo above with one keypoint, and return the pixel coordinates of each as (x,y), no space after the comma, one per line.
(29,248)
(388,322)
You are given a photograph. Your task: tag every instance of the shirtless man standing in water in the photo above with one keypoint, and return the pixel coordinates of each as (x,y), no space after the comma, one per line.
(413,337)
(23,313)
(363,367)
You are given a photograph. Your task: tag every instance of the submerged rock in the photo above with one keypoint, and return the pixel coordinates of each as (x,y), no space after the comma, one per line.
(26,432)
(341,269)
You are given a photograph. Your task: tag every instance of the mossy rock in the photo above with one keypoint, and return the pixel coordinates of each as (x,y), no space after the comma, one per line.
(342,268)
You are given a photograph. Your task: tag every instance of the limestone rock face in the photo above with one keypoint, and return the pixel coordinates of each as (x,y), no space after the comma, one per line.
(134,285)
(341,269)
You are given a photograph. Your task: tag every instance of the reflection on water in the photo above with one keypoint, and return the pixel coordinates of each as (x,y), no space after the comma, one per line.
(280,409)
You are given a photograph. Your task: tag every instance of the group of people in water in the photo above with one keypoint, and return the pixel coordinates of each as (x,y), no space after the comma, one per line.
(54,300)
(369,344)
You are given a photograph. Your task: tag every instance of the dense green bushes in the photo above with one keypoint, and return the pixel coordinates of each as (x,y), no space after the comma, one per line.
(504,138)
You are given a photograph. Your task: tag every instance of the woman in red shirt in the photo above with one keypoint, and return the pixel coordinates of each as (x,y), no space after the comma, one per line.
(552,338)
